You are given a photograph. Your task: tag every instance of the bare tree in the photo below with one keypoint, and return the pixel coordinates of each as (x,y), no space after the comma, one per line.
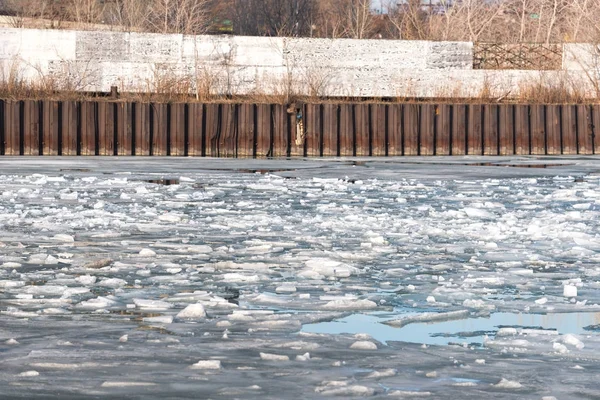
(273,17)
(360,20)
(178,16)
(85,11)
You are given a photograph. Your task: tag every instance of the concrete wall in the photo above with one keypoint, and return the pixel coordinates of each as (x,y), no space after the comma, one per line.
(95,61)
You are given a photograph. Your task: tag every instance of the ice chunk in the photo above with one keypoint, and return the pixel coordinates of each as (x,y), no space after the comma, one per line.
(11,265)
(170,217)
(86,280)
(570,291)
(329,268)
(237,277)
(113,283)
(105,262)
(163,319)
(97,303)
(430,299)
(363,345)
(477,213)
(541,301)
(273,357)
(193,311)
(29,374)
(45,290)
(152,304)
(476,304)
(147,253)
(73,291)
(572,340)
(340,388)
(429,317)
(199,249)
(350,304)
(560,348)
(64,238)
(407,394)
(506,332)
(303,357)
(507,384)
(11,342)
(285,289)
(120,384)
(207,364)
(382,374)
(124,338)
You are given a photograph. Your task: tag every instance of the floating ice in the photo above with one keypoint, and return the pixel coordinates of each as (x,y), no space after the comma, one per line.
(382,374)
(363,345)
(63,238)
(207,364)
(570,291)
(327,268)
(147,253)
(112,283)
(350,304)
(122,384)
(87,280)
(428,317)
(29,374)
(507,384)
(11,265)
(303,357)
(163,319)
(152,304)
(273,357)
(336,388)
(560,348)
(98,263)
(407,394)
(99,302)
(572,340)
(193,311)
(285,289)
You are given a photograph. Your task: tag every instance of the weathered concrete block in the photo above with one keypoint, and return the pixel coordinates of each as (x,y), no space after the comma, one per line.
(10,42)
(103,46)
(127,76)
(258,51)
(207,49)
(149,47)
(449,55)
(37,45)
(341,53)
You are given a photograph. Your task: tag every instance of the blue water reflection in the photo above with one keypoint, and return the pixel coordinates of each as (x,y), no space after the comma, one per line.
(469,330)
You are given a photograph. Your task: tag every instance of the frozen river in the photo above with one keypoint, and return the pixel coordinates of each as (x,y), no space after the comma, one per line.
(439,278)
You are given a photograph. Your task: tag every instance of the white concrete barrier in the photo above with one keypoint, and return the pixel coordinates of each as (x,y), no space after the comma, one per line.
(95,61)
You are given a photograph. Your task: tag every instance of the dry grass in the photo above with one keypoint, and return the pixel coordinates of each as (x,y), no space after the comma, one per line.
(213,85)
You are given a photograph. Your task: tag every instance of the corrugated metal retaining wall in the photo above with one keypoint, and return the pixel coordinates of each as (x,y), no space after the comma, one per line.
(314,130)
